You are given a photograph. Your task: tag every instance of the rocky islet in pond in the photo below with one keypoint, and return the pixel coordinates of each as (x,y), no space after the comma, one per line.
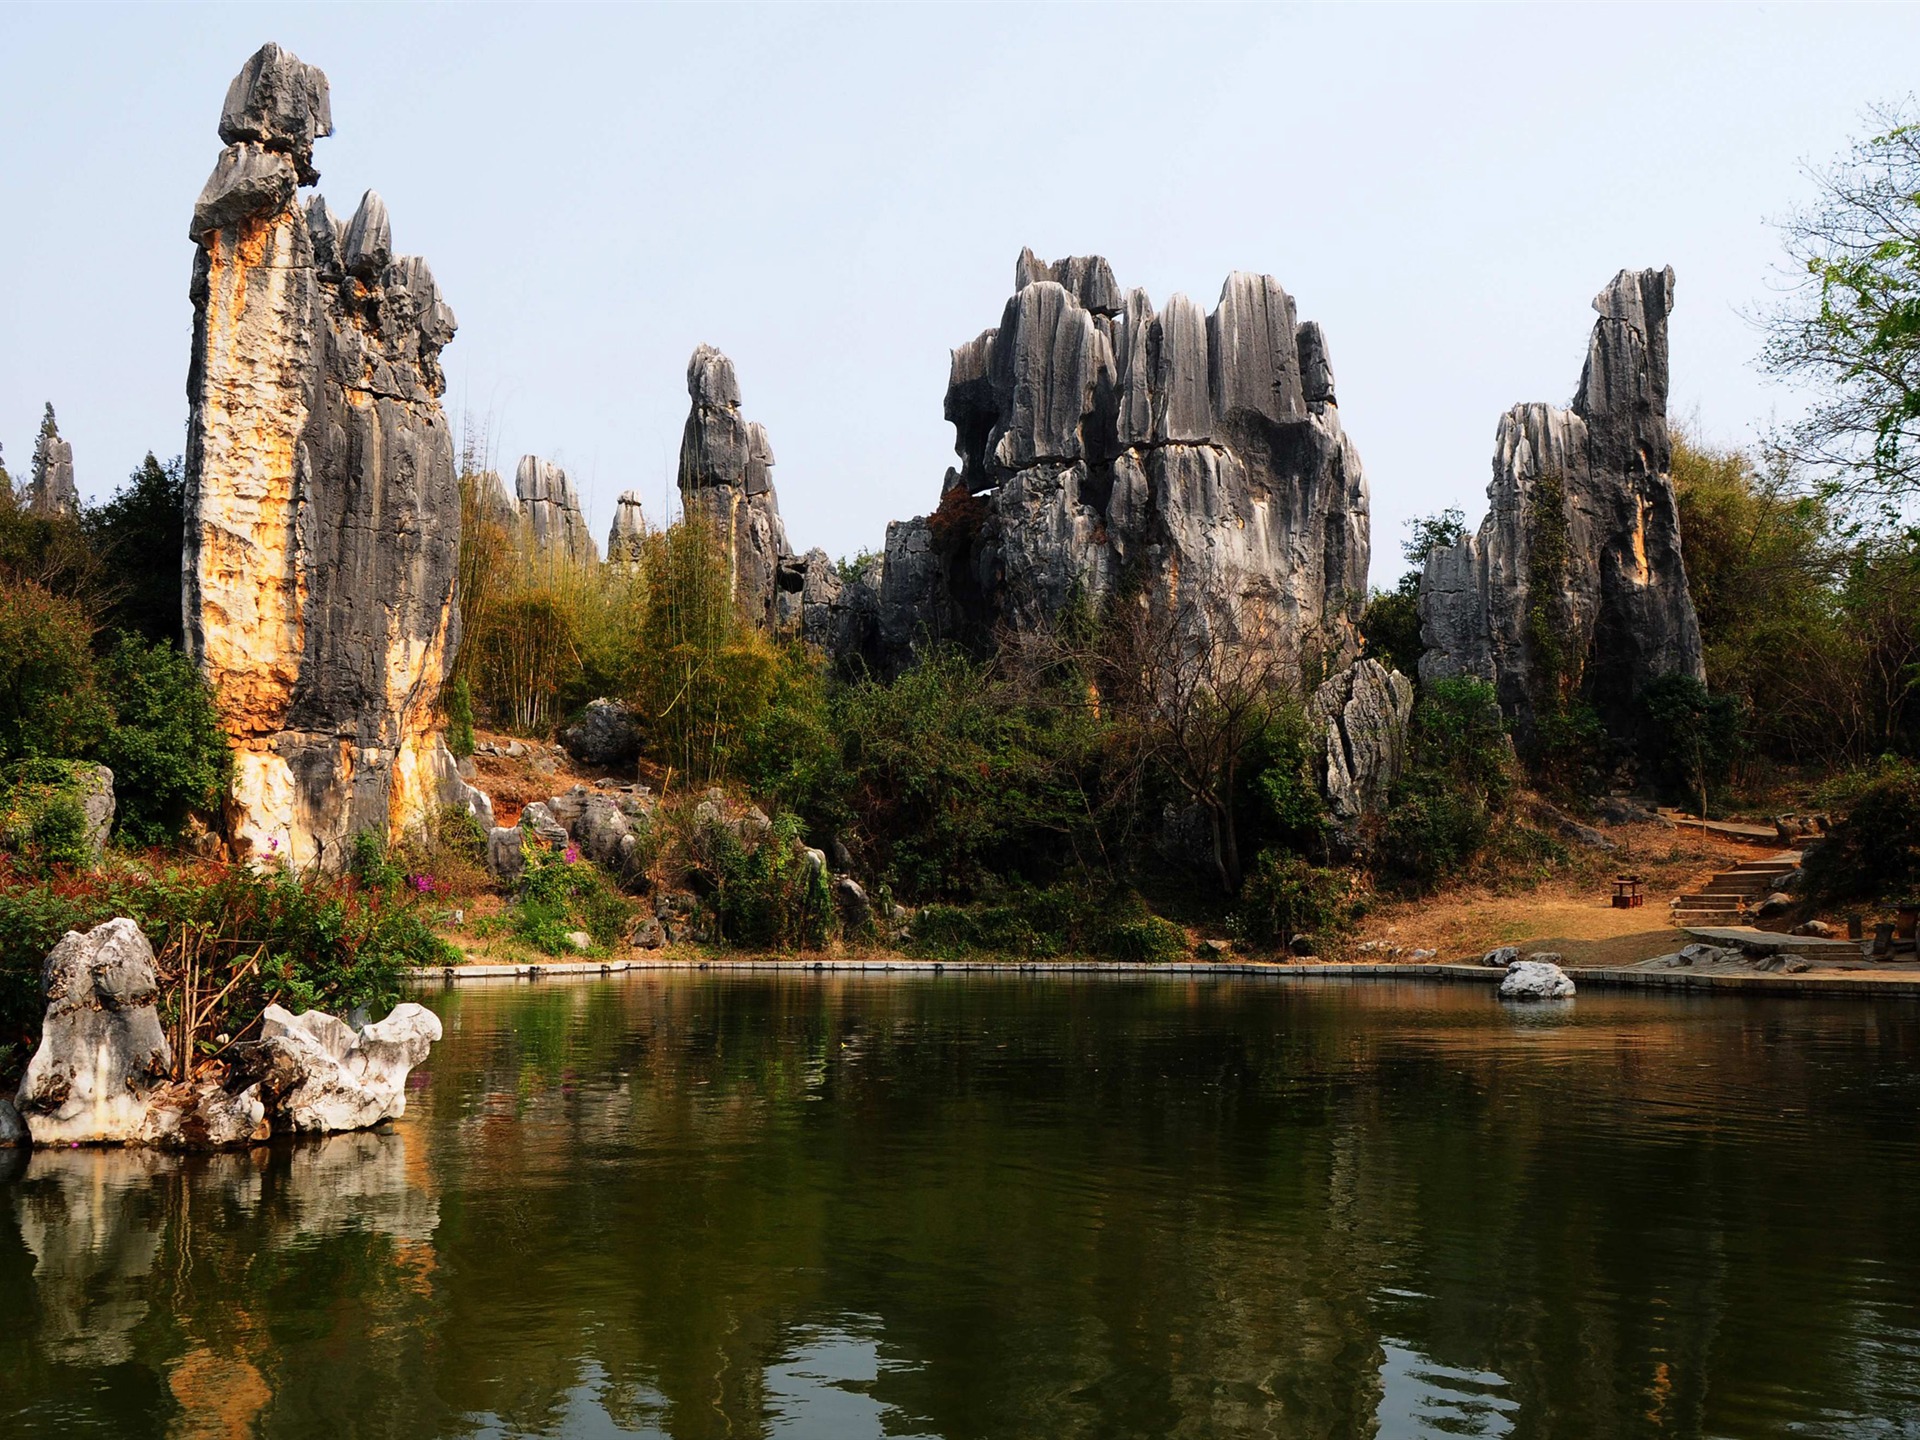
(102,1073)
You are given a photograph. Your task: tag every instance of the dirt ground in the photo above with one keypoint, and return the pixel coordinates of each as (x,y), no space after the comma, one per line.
(1571,912)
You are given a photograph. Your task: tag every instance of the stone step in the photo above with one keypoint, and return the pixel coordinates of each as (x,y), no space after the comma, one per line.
(1712,900)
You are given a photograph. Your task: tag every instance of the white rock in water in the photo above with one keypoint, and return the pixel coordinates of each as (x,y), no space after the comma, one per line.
(204,1115)
(319,1074)
(1535,980)
(101,1050)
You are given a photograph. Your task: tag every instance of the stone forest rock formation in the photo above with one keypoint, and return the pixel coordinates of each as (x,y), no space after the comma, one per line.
(1106,447)
(51,490)
(629,528)
(102,1051)
(550,507)
(1573,586)
(323,511)
(726,481)
(318,1074)
(1367,710)
(100,1074)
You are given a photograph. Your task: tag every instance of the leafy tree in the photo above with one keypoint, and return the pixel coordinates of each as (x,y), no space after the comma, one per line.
(1851,327)
(139,536)
(958,772)
(167,752)
(1443,808)
(1689,737)
(50,704)
(1390,625)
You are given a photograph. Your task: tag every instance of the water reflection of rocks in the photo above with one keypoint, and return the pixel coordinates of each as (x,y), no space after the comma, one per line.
(170,1262)
(785,1208)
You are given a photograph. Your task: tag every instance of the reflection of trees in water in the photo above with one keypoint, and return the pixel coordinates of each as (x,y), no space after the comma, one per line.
(1043,1208)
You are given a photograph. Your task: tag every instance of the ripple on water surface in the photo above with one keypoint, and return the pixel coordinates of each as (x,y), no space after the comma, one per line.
(849,1206)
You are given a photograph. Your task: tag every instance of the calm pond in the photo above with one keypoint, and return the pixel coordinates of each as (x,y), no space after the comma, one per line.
(706,1205)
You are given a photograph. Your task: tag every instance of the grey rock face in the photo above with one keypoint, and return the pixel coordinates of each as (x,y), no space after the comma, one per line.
(323,511)
(1617,608)
(102,1051)
(280,105)
(1197,457)
(629,529)
(1537,978)
(604,734)
(13,1130)
(51,489)
(204,1115)
(318,1074)
(1367,710)
(726,482)
(550,507)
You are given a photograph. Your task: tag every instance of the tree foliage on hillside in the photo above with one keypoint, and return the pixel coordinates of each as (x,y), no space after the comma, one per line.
(1850,327)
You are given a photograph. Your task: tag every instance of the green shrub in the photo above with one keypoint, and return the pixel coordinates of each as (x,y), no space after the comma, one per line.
(1874,852)
(49,701)
(1689,738)
(165,747)
(460,718)
(373,865)
(559,893)
(306,942)
(1284,896)
(769,895)
(1031,923)
(43,820)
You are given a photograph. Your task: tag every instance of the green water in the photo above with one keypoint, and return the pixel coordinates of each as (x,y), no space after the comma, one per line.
(850,1207)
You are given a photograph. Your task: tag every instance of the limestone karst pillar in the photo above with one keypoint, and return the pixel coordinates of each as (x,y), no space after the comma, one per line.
(323,522)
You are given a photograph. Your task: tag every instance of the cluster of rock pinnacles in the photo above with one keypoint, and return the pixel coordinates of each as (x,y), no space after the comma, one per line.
(1194,459)
(1188,461)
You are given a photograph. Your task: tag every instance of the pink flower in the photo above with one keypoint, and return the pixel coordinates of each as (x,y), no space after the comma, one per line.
(423,883)
(573,854)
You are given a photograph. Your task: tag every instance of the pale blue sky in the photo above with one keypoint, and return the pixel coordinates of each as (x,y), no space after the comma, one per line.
(835,197)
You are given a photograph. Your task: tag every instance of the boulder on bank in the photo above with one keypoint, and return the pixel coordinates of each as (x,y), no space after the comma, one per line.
(1501,957)
(319,1074)
(605,735)
(102,1051)
(1538,978)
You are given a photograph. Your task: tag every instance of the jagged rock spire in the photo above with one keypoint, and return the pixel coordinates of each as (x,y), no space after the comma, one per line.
(726,482)
(629,528)
(1198,456)
(324,515)
(551,508)
(1586,494)
(51,490)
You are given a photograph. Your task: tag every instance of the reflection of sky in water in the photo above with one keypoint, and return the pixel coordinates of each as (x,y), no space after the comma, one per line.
(1420,1396)
(584,1415)
(824,1385)
(820,1389)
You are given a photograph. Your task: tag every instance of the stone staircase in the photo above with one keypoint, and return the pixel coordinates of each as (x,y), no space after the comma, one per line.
(1730,896)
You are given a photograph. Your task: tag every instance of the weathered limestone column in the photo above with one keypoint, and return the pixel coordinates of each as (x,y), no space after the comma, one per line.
(324,514)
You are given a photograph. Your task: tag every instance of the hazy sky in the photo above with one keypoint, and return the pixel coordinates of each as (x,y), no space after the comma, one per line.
(835,197)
